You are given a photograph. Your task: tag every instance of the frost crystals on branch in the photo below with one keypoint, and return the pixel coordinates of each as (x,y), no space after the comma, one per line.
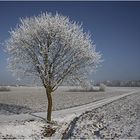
(53,50)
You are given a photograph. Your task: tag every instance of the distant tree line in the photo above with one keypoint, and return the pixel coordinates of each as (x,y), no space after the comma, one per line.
(117,83)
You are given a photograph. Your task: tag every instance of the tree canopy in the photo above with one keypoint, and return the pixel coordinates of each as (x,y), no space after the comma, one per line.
(52,49)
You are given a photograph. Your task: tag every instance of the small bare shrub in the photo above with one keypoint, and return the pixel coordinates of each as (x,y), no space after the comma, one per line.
(102,87)
(3,88)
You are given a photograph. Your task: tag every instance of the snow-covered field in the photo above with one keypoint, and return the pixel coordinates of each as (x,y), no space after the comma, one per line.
(118,119)
(33,99)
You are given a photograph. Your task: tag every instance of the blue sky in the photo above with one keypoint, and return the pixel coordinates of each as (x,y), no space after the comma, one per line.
(115,29)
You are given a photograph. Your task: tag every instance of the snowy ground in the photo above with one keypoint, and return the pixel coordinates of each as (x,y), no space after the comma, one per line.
(33,99)
(117,120)
(21,130)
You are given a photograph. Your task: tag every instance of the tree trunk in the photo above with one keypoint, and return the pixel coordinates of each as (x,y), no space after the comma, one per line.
(49,111)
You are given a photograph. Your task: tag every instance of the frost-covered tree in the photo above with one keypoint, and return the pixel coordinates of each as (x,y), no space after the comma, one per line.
(51,49)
